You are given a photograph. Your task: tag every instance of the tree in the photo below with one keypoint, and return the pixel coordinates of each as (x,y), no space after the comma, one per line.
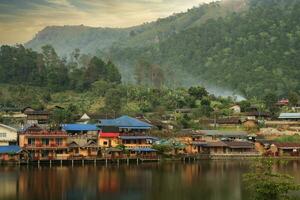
(293,98)
(198,92)
(265,184)
(113,101)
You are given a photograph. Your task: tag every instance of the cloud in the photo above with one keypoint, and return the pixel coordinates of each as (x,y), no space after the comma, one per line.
(21,19)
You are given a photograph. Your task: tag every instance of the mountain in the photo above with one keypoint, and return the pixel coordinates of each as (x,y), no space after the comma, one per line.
(247,46)
(90,40)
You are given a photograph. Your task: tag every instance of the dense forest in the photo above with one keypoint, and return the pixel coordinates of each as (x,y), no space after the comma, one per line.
(19,65)
(249,47)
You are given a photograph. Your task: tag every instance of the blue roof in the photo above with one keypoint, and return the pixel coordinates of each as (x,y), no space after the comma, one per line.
(125,122)
(80,127)
(138,137)
(143,150)
(12,149)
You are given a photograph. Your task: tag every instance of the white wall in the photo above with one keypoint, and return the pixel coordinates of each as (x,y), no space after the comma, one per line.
(7,135)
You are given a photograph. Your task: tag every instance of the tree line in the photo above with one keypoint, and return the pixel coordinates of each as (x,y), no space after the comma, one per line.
(19,65)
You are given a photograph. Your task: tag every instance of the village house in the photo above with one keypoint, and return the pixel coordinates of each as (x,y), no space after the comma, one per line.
(132,142)
(8,135)
(225,147)
(82,139)
(83,149)
(39,117)
(235,109)
(273,148)
(289,116)
(43,144)
(12,153)
(285,149)
(108,139)
(215,135)
(126,125)
(84,119)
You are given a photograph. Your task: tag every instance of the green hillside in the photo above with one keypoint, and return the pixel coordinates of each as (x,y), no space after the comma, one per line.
(250,47)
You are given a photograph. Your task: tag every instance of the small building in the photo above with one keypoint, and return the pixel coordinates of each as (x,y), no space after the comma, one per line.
(81,131)
(132,142)
(285,149)
(126,124)
(226,148)
(235,109)
(146,153)
(108,140)
(8,135)
(10,153)
(214,135)
(90,149)
(42,144)
(257,115)
(289,116)
(84,119)
(36,116)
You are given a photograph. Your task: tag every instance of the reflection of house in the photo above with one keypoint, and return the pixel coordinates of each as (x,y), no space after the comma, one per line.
(8,135)
(42,144)
(131,142)
(125,124)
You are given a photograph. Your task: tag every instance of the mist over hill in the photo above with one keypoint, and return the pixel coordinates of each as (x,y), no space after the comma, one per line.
(248,47)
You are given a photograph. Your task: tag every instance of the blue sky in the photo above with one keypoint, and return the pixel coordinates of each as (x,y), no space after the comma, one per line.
(20,20)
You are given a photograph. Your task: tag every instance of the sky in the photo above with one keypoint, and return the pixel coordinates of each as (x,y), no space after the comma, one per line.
(20,20)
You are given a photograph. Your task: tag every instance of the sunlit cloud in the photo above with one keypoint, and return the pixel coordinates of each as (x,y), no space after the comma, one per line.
(20,20)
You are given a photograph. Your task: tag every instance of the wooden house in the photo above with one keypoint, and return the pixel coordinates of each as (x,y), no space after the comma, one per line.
(8,135)
(43,144)
(132,142)
(108,139)
(11,153)
(126,125)
(225,148)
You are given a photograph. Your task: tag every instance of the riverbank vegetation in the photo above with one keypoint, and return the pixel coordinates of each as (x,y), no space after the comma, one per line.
(265,184)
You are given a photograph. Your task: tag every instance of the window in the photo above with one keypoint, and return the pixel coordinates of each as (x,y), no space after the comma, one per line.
(31,141)
(2,134)
(105,143)
(58,141)
(45,141)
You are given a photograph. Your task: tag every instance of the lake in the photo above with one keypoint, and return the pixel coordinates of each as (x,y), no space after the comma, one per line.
(208,180)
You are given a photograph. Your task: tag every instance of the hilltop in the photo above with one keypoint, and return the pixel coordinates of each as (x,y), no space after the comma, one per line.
(247,46)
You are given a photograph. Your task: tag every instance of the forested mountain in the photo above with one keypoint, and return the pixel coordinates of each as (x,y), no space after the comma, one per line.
(251,47)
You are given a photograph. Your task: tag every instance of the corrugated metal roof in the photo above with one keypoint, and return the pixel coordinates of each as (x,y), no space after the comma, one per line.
(12,149)
(138,138)
(143,150)
(125,122)
(109,135)
(223,133)
(289,116)
(80,127)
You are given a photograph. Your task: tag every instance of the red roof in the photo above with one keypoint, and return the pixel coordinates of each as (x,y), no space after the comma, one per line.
(109,135)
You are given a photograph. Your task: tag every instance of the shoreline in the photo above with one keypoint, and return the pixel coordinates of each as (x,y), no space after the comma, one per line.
(136,161)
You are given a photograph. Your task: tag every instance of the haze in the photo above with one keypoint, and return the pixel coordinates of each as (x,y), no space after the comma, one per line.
(20,20)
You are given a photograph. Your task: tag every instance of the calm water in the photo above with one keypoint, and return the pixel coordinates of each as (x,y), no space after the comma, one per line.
(208,180)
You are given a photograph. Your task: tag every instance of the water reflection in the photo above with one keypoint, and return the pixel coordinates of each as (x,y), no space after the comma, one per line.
(209,180)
